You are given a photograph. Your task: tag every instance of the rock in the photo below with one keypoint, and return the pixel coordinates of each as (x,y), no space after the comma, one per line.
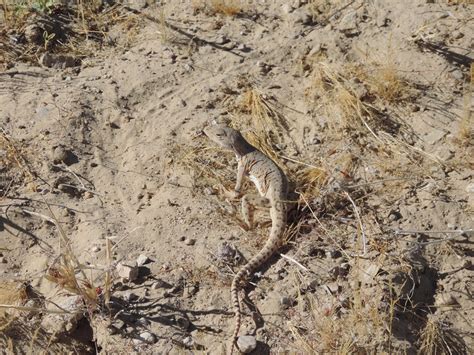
(188,342)
(243,48)
(3,260)
(137,4)
(190,241)
(301,16)
(457,34)
(144,322)
(348,24)
(64,323)
(222,40)
(444,153)
(246,343)
(287,8)
(208,191)
(470,188)
(59,61)
(95,249)
(34,34)
(127,272)
(160,284)
(333,254)
(183,322)
(142,260)
(287,301)
(129,296)
(64,155)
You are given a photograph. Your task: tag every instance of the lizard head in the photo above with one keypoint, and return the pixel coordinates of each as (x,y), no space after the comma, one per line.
(225,136)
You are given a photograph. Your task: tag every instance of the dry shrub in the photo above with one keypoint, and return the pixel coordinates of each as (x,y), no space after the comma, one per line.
(322,10)
(78,29)
(13,164)
(437,338)
(12,293)
(225,7)
(323,328)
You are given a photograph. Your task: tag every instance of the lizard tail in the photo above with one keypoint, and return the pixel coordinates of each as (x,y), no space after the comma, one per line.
(267,251)
(234,290)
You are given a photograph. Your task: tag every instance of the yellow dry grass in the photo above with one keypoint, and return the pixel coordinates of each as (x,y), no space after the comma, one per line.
(323,328)
(224,7)
(89,22)
(438,339)
(14,159)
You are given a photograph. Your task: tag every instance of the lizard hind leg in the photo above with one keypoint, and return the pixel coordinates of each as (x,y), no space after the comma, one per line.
(249,202)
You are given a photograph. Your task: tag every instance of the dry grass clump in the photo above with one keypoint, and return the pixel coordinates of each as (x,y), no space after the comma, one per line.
(13,293)
(437,338)
(353,94)
(465,136)
(225,7)
(40,26)
(13,164)
(211,166)
(327,326)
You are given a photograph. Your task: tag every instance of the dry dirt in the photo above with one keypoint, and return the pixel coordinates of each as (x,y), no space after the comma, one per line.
(366,105)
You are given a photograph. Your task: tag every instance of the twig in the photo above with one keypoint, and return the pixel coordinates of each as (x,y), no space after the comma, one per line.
(300,162)
(294,261)
(77,177)
(407,232)
(356,211)
(23,308)
(49,219)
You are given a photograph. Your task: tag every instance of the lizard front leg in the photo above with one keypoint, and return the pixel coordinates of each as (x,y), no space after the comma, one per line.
(236,193)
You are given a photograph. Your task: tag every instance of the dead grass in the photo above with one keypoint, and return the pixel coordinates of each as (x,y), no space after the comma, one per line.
(79,29)
(224,7)
(14,162)
(323,326)
(437,338)
(465,136)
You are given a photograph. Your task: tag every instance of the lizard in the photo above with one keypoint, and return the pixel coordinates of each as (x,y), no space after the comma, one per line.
(272,185)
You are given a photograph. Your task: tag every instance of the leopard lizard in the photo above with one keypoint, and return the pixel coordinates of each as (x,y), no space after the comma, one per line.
(272,186)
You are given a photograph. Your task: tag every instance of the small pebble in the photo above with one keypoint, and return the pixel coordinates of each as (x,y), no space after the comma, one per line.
(130,296)
(190,241)
(183,322)
(148,337)
(287,301)
(142,260)
(188,342)
(246,343)
(143,322)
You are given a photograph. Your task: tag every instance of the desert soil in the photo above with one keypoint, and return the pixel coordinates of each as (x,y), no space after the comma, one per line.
(368,108)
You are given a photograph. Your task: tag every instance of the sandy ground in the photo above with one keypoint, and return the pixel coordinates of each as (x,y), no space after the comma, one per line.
(113,150)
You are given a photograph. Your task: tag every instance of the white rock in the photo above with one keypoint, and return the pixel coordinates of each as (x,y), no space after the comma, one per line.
(246,343)
(190,241)
(148,337)
(142,260)
(188,342)
(127,272)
